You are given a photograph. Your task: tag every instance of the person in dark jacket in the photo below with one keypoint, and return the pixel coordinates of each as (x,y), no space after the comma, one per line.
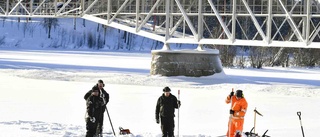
(93,113)
(104,96)
(166,105)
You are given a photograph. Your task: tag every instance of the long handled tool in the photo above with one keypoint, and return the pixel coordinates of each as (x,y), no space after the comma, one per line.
(255,112)
(178,111)
(299,114)
(110,121)
(229,124)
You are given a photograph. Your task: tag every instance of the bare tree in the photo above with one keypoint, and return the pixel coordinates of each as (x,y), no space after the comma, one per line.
(279,56)
(91,40)
(241,60)
(3,20)
(104,33)
(227,54)
(258,56)
(48,23)
(74,23)
(2,40)
(25,28)
(306,57)
(100,44)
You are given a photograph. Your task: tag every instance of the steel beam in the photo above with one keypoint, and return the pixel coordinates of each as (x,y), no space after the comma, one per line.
(65,4)
(187,19)
(313,35)
(200,22)
(223,25)
(255,22)
(291,22)
(183,21)
(308,22)
(174,28)
(167,36)
(137,14)
(234,20)
(119,10)
(149,14)
(269,22)
(7,7)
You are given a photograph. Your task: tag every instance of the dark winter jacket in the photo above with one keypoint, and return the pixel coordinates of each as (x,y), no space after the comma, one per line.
(94,107)
(166,105)
(104,94)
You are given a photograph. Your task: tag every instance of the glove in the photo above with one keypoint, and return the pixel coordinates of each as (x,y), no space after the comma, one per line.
(231,111)
(179,103)
(93,119)
(231,94)
(157,120)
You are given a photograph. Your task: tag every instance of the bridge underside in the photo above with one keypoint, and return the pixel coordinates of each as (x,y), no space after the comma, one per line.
(273,23)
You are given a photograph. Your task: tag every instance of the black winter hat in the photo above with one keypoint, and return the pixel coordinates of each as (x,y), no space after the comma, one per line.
(239,93)
(100,81)
(94,88)
(166,89)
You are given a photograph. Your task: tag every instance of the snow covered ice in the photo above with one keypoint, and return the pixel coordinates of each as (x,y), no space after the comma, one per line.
(42,92)
(42,95)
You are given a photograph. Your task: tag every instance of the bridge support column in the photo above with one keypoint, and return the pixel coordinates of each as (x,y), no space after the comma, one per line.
(193,63)
(166,46)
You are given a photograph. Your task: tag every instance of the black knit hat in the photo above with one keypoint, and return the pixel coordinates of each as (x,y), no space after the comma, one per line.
(100,81)
(95,88)
(239,93)
(166,89)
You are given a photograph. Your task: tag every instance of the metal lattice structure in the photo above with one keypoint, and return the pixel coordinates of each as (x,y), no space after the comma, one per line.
(273,23)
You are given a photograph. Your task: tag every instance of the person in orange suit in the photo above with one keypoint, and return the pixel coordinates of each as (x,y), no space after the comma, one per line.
(237,112)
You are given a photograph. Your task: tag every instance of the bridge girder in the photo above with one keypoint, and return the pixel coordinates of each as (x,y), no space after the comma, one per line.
(272,23)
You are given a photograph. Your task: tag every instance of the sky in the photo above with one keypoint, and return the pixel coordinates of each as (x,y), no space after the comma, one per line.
(42,93)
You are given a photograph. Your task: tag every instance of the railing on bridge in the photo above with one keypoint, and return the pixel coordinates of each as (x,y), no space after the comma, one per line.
(281,23)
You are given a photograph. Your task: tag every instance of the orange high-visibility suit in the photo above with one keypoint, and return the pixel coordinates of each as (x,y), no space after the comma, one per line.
(239,106)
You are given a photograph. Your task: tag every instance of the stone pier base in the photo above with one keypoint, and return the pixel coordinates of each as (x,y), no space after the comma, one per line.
(192,63)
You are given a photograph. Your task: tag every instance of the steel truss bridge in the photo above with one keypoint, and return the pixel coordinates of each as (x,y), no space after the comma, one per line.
(272,23)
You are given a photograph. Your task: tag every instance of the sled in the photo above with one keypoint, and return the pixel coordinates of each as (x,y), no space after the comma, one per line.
(125,132)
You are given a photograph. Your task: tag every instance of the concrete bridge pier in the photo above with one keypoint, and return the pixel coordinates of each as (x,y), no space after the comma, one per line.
(193,63)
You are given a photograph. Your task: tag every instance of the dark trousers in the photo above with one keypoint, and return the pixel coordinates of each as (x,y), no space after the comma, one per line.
(94,129)
(91,128)
(167,126)
(100,125)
